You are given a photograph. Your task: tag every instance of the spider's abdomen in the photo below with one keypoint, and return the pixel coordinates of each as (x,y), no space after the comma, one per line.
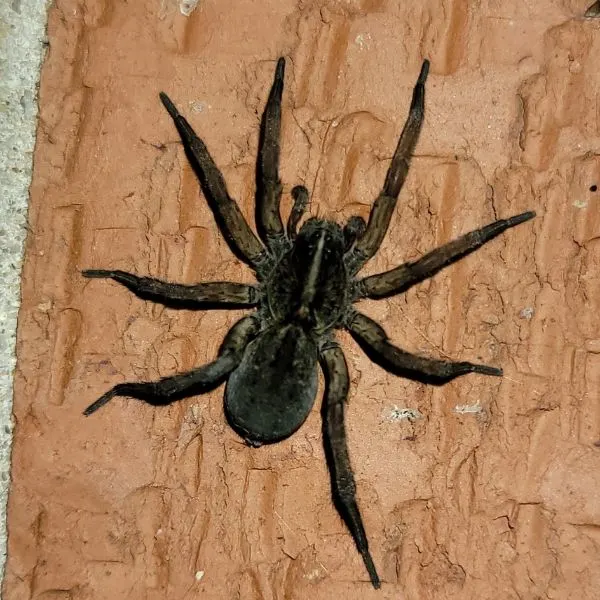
(271,393)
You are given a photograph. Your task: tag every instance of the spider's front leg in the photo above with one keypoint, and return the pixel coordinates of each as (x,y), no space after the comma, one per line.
(201,380)
(224,294)
(228,215)
(336,450)
(383,208)
(402,278)
(374,341)
(268,185)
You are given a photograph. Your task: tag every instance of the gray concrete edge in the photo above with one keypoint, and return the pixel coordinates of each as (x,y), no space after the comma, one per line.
(22,39)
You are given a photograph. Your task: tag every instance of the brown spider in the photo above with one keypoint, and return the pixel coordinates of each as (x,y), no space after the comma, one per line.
(307,285)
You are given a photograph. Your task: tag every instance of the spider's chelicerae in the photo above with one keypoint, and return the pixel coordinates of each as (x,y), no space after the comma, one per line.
(307,286)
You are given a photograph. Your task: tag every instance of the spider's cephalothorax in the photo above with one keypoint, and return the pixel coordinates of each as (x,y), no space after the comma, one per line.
(307,286)
(309,283)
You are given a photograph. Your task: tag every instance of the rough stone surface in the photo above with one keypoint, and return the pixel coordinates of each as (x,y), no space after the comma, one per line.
(494,492)
(22,31)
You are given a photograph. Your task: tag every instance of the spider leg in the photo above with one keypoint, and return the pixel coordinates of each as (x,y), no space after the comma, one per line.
(384,205)
(334,439)
(201,380)
(300,196)
(405,276)
(199,296)
(268,185)
(241,239)
(374,341)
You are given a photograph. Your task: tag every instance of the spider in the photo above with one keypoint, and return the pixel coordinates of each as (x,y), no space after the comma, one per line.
(307,285)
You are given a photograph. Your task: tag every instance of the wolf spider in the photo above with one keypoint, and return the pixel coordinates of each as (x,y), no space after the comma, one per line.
(307,285)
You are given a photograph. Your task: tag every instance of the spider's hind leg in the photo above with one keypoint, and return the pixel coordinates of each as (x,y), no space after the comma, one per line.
(336,450)
(201,380)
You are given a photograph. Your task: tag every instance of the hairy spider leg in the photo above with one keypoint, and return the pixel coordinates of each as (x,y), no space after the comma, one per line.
(374,341)
(230,220)
(402,278)
(219,294)
(268,185)
(383,207)
(300,196)
(201,380)
(343,486)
